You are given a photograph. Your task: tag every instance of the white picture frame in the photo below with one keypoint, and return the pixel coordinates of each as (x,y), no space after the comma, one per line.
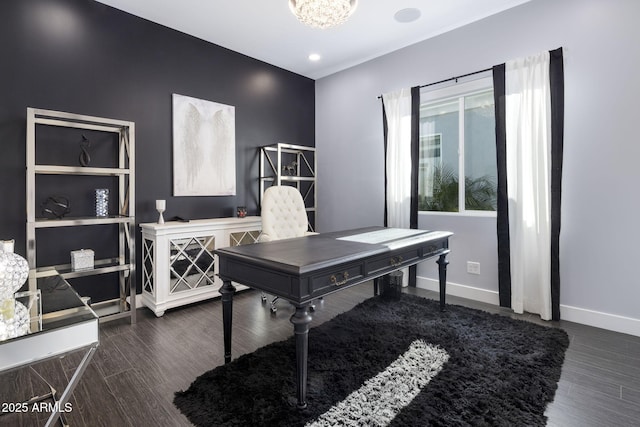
(204,147)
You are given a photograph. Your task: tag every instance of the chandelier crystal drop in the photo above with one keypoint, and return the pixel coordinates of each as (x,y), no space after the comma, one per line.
(322,13)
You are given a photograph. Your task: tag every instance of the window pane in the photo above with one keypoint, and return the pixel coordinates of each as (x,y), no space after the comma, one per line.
(480,152)
(438,173)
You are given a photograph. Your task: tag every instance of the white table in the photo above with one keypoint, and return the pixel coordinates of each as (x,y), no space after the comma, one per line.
(178,263)
(68,325)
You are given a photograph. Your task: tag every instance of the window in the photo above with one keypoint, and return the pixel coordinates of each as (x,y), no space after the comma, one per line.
(430,160)
(457,139)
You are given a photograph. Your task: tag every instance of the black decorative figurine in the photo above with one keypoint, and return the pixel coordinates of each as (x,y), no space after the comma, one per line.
(84,157)
(55,207)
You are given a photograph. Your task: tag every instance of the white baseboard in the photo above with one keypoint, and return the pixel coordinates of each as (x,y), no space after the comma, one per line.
(462,291)
(611,322)
(139,303)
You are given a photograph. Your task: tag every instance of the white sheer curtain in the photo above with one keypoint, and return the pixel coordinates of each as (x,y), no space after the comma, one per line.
(397,107)
(528,135)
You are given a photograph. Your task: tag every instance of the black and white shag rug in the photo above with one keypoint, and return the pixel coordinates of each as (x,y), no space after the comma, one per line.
(391,363)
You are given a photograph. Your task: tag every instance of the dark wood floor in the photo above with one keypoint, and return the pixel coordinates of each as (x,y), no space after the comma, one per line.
(136,370)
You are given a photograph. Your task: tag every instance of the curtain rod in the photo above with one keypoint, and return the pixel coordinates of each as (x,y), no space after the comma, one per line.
(451,78)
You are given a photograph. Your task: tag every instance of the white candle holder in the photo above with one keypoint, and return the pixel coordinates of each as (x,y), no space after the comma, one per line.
(161,205)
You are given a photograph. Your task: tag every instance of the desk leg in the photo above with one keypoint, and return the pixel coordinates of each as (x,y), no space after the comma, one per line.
(442,273)
(301,319)
(227,291)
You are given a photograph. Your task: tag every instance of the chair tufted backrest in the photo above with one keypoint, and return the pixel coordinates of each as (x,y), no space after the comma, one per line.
(283,213)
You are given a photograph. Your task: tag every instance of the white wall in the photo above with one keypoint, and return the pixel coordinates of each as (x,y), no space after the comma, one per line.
(600,229)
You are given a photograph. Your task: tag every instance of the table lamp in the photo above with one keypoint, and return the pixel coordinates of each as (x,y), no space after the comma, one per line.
(14,316)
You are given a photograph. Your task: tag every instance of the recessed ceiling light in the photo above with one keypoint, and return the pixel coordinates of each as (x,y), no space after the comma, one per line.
(407,15)
(314,57)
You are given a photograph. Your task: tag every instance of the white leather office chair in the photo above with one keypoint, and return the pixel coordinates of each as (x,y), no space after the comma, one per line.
(283,216)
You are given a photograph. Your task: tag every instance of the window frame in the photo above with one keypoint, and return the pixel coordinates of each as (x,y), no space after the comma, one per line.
(458,89)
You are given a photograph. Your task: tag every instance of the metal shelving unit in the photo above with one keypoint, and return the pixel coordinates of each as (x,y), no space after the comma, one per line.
(124,263)
(289,164)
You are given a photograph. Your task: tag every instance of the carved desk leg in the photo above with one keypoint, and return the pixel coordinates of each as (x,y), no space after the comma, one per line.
(227,291)
(442,275)
(301,319)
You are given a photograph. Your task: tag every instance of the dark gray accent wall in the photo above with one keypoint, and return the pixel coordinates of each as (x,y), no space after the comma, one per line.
(84,57)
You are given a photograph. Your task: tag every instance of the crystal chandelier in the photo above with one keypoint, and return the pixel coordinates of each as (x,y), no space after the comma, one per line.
(322,13)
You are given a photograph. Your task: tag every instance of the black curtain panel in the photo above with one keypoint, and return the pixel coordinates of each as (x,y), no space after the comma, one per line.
(556,77)
(415,153)
(415,161)
(385,130)
(504,257)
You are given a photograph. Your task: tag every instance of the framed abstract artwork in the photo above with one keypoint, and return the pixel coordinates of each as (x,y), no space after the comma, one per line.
(204,148)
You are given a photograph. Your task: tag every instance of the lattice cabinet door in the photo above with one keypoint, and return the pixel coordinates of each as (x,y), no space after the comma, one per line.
(148,266)
(237,238)
(191,263)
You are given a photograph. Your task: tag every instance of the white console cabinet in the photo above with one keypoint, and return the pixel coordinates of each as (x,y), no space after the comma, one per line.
(178,263)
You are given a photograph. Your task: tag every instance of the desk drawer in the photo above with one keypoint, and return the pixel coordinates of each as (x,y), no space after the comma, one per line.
(390,261)
(325,283)
(434,248)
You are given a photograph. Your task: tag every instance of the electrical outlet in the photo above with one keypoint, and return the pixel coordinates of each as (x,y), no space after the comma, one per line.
(473,267)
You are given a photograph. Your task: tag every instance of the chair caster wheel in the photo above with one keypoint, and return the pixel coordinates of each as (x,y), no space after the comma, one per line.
(274,309)
(312,307)
(264,299)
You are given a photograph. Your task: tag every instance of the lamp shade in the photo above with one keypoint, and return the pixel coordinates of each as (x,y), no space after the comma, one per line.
(14,316)
(14,271)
